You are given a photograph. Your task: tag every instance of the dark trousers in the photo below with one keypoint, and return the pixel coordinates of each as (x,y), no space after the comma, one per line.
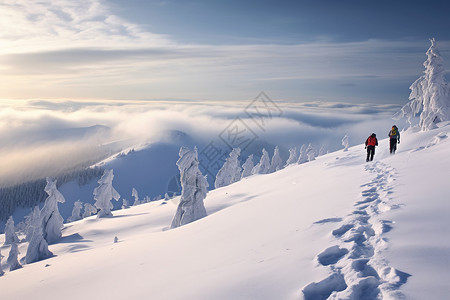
(370,153)
(392,145)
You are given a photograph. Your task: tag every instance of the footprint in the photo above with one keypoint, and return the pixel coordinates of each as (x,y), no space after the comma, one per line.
(322,290)
(342,230)
(331,255)
(361,266)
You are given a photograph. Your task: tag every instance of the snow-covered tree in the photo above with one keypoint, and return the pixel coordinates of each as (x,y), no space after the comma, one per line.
(303,157)
(277,162)
(52,221)
(135,195)
(345,142)
(193,189)
(263,167)
(104,193)
(430,93)
(12,258)
(76,211)
(230,171)
(10,233)
(311,152)
(89,210)
(37,247)
(1,270)
(292,157)
(247,167)
(125,204)
(322,150)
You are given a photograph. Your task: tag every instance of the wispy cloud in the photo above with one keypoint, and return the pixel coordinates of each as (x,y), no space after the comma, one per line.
(81,49)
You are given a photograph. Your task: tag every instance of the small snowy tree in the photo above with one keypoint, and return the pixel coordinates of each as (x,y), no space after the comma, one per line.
(37,247)
(247,167)
(263,167)
(10,233)
(89,210)
(311,153)
(76,211)
(230,171)
(292,157)
(12,258)
(104,193)
(125,204)
(52,221)
(1,270)
(135,195)
(345,142)
(429,93)
(277,162)
(303,157)
(322,150)
(193,189)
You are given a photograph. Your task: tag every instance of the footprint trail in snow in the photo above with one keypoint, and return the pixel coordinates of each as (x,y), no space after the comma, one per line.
(358,269)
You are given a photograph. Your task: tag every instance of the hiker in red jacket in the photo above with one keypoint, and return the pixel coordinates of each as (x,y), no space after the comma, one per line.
(371,142)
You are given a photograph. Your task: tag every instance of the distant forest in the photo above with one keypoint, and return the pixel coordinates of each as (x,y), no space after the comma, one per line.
(30,194)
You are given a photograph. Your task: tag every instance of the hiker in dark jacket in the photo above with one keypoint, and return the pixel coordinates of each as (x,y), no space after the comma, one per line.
(371,142)
(394,138)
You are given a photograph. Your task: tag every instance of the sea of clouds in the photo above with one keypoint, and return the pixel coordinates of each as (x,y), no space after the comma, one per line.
(44,138)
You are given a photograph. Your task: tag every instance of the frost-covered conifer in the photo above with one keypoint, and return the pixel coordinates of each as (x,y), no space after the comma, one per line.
(12,258)
(76,211)
(247,167)
(311,153)
(230,171)
(89,210)
(322,151)
(263,167)
(277,162)
(37,247)
(104,193)
(193,189)
(135,195)
(1,270)
(125,204)
(10,233)
(52,221)
(345,142)
(303,157)
(292,157)
(430,93)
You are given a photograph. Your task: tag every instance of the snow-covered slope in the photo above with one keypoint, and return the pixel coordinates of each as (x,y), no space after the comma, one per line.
(335,227)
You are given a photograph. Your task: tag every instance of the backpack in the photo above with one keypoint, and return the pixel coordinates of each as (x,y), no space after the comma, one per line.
(394,131)
(371,141)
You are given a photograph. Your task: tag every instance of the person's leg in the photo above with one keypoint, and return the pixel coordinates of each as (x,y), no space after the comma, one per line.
(368,153)
(391,145)
(372,152)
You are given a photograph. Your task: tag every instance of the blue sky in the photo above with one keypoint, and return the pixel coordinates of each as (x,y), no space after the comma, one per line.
(340,51)
(268,21)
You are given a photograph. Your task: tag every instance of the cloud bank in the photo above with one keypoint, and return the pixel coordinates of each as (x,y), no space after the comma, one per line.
(44,137)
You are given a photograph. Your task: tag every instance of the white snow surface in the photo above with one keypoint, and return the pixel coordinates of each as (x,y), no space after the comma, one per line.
(334,227)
